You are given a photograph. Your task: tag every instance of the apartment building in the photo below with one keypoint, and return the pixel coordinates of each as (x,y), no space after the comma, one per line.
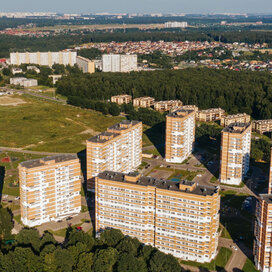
(85,65)
(44,58)
(119,63)
(236,118)
(235,153)
(175,24)
(167,105)
(180,135)
(117,149)
(143,102)
(262,126)
(49,189)
(180,218)
(263,228)
(23,82)
(186,107)
(121,99)
(210,115)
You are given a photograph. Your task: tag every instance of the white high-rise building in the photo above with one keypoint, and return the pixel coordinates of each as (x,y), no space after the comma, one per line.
(117,149)
(44,58)
(180,135)
(176,25)
(119,63)
(235,153)
(49,189)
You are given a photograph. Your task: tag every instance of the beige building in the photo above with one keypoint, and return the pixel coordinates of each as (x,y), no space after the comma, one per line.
(121,99)
(143,102)
(85,65)
(180,218)
(235,153)
(236,118)
(167,105)
(49,189)
(210,115)
(263,228)
(180,135)
(117,149)
(262,126)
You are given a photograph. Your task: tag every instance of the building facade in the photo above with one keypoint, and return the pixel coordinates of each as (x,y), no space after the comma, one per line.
(117,149)
(210,115)
(180,218)
(235,153)
(119,63)
(49,189)
(167,105)
(175,24)
(121,99)
(180,135)
(24,82)
(236,118)
(43,58)
(262,126)
(85,65)
(143,102)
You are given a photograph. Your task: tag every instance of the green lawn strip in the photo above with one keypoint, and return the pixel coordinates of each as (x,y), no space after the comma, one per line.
(153,151)
(213,179)
(218,264)
(17,218)
(84,208)
(62,232)
(249,266)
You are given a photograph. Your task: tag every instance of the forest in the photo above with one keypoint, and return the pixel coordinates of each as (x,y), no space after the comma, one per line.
(235,92)
(80,252)
(62,41)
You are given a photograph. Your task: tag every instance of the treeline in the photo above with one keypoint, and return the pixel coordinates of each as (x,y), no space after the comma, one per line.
(235,92)
(63,41)
(80,252)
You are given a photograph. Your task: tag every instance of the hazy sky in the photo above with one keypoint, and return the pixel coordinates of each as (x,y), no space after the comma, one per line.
(144,6)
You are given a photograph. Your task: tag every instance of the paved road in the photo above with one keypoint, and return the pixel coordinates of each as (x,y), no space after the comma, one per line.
(20,150)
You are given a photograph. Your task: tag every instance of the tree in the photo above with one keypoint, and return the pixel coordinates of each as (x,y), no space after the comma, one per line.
(63,260)
(114,109)
(75,237)
(85,262)
(47,239)
(129,263)
(29,237)
(104,260)
(6,223)
(111,237)
(129,245)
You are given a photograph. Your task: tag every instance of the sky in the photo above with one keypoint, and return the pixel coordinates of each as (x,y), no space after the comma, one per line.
(139,6)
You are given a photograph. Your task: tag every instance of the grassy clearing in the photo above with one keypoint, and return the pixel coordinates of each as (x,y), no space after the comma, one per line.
(217,264)
(213,179)
(47,126)
(152,151)
(249,266)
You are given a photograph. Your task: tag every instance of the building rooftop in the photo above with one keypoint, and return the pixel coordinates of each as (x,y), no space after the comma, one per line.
(180,113)
(191,187)
(263,121)
(235,115)
(266,197)
(236,127)
(122,95)
(103,137)
(211,110)
(46,160)
(125,124)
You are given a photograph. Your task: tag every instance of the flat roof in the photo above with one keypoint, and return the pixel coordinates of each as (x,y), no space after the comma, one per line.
(211,110)
(236,127)
(103,137)
(124,122)
(160,183)
(180,113)
(41,162)
(266,197)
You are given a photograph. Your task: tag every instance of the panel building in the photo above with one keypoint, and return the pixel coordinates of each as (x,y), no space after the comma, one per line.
(175,24)
(44,58)
(262,126)
(167,105)
(49,189)
(121,99)
(117,149)
(263,228)
(180,218)
(143,102)
(235,153)
(119,63)
(236,118)
(180,135)
(85,65)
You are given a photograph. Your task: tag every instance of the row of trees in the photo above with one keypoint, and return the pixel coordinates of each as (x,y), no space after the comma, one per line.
(235,92)
(81,252)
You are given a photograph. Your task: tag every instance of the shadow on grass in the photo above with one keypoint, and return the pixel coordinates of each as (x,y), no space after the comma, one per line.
(156,135)
(2,179)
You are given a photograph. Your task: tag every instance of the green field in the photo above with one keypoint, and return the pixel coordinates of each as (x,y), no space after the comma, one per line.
(249,266)
(51,127)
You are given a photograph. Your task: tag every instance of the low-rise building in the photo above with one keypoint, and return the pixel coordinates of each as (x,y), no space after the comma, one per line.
(24,82)
(210,115)
(16,71)
(121,99)
(236,118)
(143,102)
(49,189)
(179,218)
(167,105)
(262,126)
(33,68)
(85,65)
(55,78)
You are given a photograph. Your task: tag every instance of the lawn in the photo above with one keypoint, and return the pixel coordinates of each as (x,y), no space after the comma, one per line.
(249,266)
(47,126)
(217,264)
